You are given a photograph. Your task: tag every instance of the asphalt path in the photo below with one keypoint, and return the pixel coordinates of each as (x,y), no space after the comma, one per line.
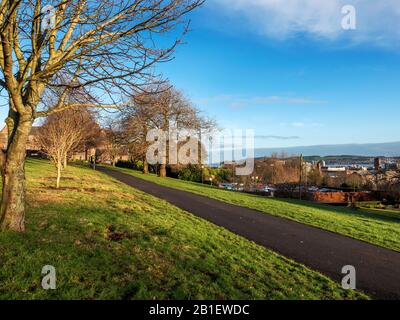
(377,269)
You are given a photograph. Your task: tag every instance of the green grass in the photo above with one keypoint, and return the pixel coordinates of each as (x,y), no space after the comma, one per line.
(109,241)
(378,208)
(379,229)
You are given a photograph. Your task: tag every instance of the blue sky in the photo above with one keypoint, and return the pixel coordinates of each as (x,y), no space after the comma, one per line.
(301,85)
(287,69)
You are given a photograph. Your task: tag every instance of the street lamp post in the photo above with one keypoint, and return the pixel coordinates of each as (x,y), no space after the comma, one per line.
(301,176)
(202,174)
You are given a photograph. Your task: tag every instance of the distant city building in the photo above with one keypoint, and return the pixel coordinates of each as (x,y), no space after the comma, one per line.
(334,172)
(389,166)
(377,164)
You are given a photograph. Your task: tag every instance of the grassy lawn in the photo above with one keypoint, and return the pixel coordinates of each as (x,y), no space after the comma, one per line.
(109,241)
(369,226)
(378,208)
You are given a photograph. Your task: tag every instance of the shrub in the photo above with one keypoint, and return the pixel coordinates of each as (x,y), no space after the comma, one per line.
(190,173)
(136,165)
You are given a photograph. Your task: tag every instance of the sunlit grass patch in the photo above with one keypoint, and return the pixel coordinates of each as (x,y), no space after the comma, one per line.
(109,241)
(379,229)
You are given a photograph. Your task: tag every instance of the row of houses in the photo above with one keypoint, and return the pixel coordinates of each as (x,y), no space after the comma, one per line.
(84,154)
(31,146)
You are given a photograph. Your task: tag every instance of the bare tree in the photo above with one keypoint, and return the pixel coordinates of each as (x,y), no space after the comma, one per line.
(167,109)
(113,143)
(355,181)
(108,45)
(62,133)
(85,118)
(137,122)
(92,139)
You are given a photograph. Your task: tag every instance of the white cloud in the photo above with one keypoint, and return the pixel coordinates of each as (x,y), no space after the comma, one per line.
(377,21)
(240,101)
(302,124)
(298,124)
(275,137)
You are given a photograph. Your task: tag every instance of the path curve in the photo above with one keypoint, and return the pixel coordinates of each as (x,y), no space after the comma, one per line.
(378,269)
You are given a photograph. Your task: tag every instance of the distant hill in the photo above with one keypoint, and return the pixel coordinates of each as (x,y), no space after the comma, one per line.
(389,149)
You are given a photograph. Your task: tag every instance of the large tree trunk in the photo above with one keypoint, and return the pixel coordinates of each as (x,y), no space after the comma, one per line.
(163,170)
(12,208)
(145,167)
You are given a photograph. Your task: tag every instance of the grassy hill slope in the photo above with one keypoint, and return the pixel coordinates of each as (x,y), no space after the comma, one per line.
(110,241)
(382,230)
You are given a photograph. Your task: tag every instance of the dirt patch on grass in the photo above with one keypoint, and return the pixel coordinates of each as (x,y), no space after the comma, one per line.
(112,234)
(37,198)
(61,188)
(53,188)
(62,178)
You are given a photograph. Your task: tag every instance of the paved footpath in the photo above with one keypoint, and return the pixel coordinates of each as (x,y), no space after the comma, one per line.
(378,269)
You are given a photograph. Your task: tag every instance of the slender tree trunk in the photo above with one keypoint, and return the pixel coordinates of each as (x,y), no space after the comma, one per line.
(65,162)
(59,165)
(163,165)
(12,208)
